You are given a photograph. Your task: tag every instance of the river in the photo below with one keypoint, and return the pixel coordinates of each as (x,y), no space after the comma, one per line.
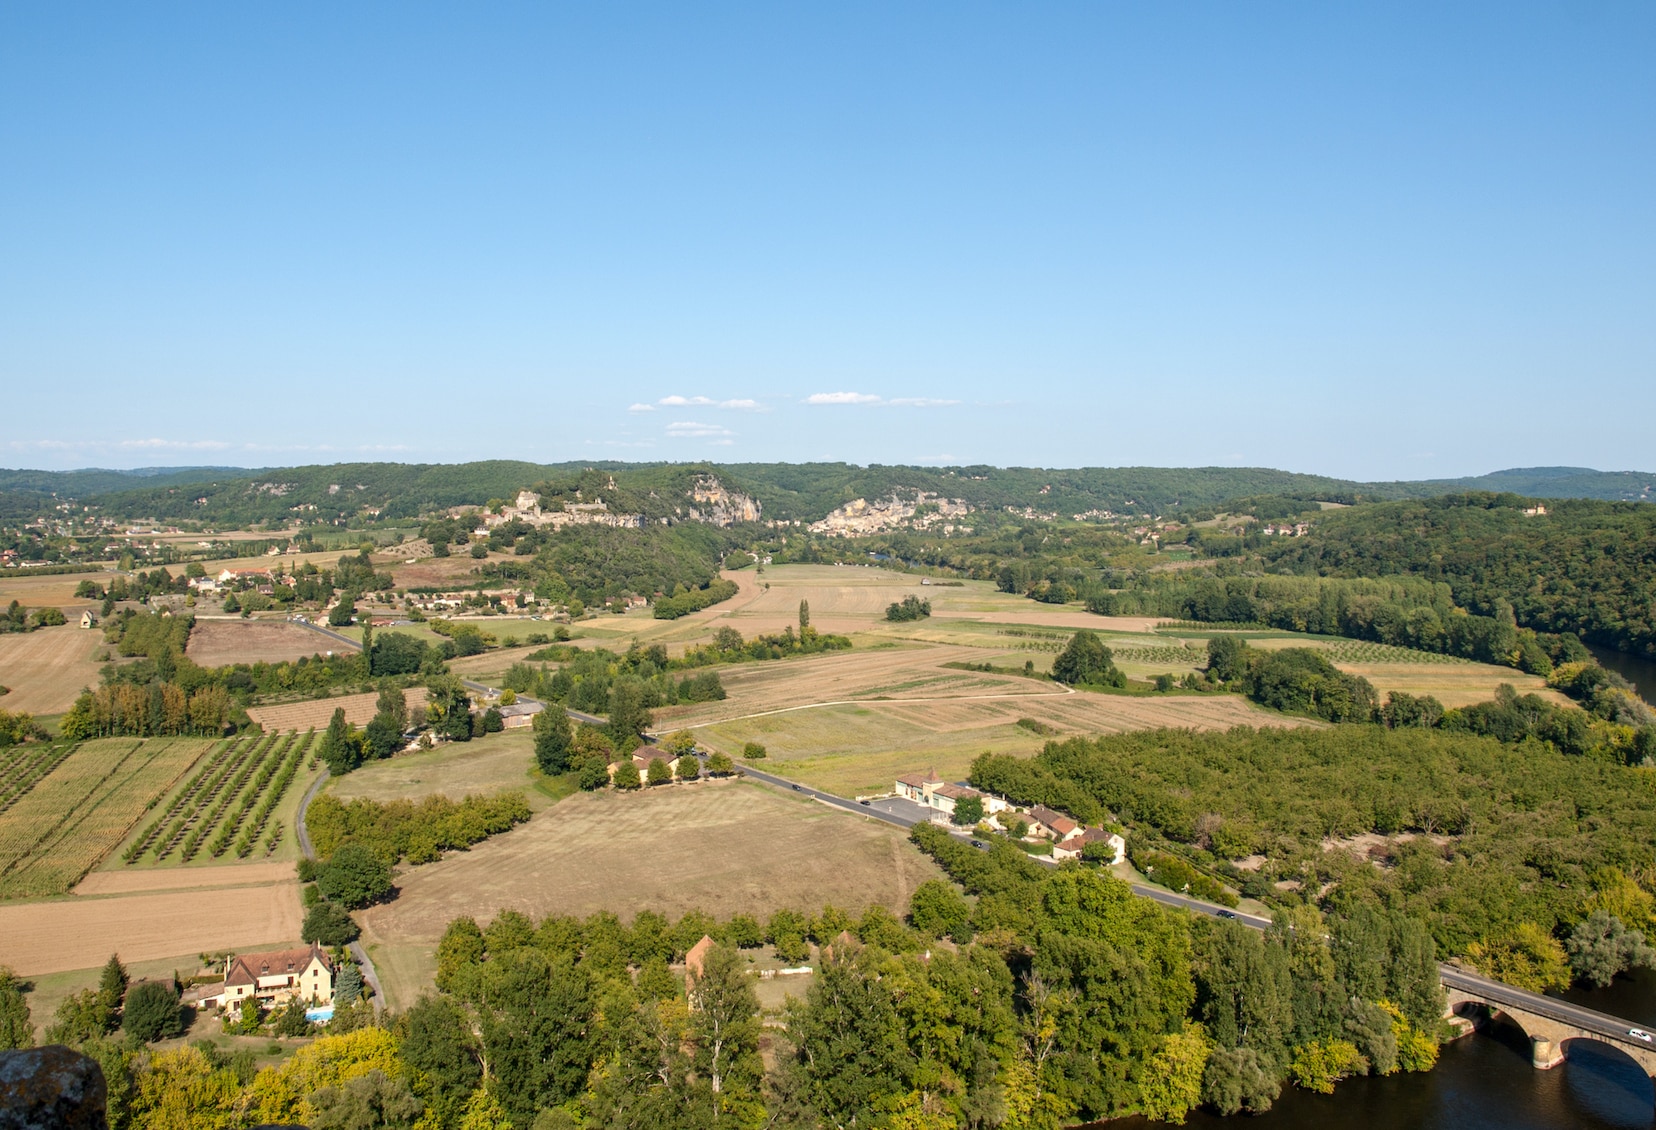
(1481,1082)
(1635,669)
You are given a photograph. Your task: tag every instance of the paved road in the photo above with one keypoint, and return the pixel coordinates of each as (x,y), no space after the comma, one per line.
(1600,1023)
(364,962)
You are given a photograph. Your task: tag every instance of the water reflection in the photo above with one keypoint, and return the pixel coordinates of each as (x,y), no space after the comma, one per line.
(1639,671)
(1483,1082)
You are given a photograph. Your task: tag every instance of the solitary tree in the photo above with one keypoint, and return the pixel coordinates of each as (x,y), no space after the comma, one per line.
(151,1011)
(354,877)
(628,717)
(349,985)
(659,773)
(626,774)
(720,765)
(339,750)
(553,741)
(1602,946)
(804,616)
(15,1029)
(329,924)
(1085,659)
(112,984)
(967,811)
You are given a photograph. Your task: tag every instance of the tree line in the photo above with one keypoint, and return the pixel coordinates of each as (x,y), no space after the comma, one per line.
(1485,842)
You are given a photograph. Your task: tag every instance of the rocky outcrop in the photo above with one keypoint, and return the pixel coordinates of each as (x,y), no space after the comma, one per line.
(51,1088)
(860,516)
(719,506)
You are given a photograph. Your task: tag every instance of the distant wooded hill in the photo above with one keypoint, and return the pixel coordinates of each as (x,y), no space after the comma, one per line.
(804,491)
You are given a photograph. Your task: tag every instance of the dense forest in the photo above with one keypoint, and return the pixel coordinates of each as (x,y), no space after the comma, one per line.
(1485,836)
(1585,567)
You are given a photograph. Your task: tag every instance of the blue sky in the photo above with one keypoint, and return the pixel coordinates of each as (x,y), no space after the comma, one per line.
(1382,241)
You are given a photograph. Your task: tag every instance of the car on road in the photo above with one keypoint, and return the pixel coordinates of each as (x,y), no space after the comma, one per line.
(866,803)
(1641,1034)
(796,789)
(1225,913)
(980,845)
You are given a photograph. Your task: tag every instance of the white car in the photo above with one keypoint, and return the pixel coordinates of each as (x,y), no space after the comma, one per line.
(1641,1034)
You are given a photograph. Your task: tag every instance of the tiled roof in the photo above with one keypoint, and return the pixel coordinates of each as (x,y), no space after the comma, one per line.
(247,968)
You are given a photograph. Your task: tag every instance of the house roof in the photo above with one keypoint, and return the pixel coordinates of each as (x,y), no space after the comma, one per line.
(1053,819)
(247,968)
(920,780)
(696,956)
(518,709)
(956,792)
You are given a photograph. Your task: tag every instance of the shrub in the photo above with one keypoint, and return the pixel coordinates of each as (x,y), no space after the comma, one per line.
(329,924)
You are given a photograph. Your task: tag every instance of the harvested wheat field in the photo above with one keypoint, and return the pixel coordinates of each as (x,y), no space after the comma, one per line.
(182,879)
(726,848)
(859,749)
(33,590)
(317,713)
(897,671)
(215,643)
(47,669)
(488,764)
(1460,684)
(48,937)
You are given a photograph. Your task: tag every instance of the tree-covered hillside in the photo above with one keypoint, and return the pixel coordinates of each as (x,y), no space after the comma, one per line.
(802,491)
(1583,566)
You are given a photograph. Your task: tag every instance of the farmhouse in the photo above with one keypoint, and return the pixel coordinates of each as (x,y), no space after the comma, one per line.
(1050,824)
(275,977)
(520,714)
(934,792)
(87,620)
(1072,848)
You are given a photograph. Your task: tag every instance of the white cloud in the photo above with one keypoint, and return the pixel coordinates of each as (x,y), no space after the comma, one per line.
(870,398)
(842,398)
(708,402)
(641,408)
(174,444)
(689,429)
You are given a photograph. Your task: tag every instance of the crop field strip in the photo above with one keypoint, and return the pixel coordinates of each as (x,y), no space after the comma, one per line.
(231,798)
(24,766)
(67,824)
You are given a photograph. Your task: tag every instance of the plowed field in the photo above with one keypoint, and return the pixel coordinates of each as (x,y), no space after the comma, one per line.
(214,643)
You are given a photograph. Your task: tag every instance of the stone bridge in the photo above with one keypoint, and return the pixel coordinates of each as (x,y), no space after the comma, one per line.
(1549,1023)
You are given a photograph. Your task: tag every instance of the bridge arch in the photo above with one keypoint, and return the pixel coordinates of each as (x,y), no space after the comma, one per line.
(1617,1060)
(1548,1037)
